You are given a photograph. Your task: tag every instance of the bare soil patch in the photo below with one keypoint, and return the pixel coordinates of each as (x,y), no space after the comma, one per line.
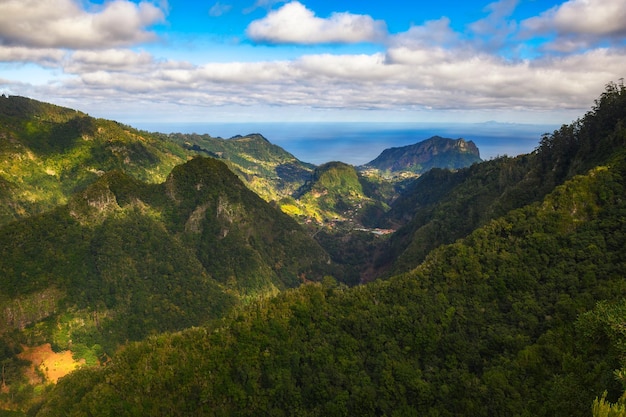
(48,364)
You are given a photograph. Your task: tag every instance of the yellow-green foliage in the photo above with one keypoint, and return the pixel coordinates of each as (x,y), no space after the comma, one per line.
(602,408)
(334,194)
(524,316)
(48,152)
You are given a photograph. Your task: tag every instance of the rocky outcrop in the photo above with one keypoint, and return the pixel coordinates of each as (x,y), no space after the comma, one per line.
(436,152)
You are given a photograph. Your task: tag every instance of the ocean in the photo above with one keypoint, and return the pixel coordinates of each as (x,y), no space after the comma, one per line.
(359,143)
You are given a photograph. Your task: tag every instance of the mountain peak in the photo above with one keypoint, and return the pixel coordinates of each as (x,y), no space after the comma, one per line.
(435,152)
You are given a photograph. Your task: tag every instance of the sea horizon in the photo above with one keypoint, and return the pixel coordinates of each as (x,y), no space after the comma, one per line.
(358,143)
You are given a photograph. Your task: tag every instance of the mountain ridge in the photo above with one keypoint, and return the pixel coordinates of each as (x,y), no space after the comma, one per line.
(521,316)
(435,152)
(505,292)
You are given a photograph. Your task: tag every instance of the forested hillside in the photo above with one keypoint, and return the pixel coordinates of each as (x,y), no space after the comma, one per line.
(267,169)
(442,206)
(125,259)
(49,152)
(524,316)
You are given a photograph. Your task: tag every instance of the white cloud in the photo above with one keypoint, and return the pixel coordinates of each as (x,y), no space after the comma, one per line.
(427,67)
(114,60)
(20,54)
(433,32)
(294,23)
(495,29)
(580,23)
(406,77)
(64,24)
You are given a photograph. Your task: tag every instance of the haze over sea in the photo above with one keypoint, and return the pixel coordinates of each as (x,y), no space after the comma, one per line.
(359,143)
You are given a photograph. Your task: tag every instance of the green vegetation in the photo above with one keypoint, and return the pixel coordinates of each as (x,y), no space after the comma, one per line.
(48,152)
(441,207)
(334,193)
(504,289)
(124,260)
(267,169)
(436,152)
(523,316)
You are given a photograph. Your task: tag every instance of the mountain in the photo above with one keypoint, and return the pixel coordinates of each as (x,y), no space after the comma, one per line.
(436,152)
(125,259)
(335,193)
(524,315)
(48,152)
(267,169)
(441,207)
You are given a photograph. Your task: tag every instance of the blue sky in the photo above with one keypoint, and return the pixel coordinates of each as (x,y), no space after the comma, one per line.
(521,61)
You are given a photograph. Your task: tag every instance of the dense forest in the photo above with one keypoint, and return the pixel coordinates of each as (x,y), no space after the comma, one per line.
(502,292)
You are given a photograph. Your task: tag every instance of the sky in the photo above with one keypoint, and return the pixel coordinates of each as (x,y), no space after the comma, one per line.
(513,61)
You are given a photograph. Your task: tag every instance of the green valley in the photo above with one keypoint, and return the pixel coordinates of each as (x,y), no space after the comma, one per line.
(180,291)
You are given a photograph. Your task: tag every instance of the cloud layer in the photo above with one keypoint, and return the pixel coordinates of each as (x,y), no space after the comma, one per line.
(581,23)
(428,67)
(64,24)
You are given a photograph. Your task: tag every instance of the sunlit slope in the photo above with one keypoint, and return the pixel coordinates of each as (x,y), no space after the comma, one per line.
(516,319)
(125,259)
(334,193)
(524,316)
(47,152)
(268,169)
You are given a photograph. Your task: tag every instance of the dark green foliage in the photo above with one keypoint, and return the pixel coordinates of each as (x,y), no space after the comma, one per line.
(48,152)
(132,259)
(241,237)
(351,252)
(441,206)
(522,317)
(484,327)
(266,168)
(35,254)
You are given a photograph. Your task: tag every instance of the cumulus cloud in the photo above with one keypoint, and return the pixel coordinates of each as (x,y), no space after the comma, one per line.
(114,60)
(580,23)
(19,54)
(294,23)
(427,67)
(64,24)
(433,32)
(404,77)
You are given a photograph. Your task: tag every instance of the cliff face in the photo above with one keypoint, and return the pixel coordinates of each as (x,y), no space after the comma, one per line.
(436,152)
(20,312)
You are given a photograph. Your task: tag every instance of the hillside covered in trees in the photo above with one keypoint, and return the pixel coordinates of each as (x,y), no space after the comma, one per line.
(502,289)
(521,312)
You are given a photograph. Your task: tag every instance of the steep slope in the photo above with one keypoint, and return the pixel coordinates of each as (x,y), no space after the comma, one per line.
(125,259)
(441,207)
(335,193)
(436,152)
(266,168)
(48,152)
(524,316)
(249,232)
(511,320)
